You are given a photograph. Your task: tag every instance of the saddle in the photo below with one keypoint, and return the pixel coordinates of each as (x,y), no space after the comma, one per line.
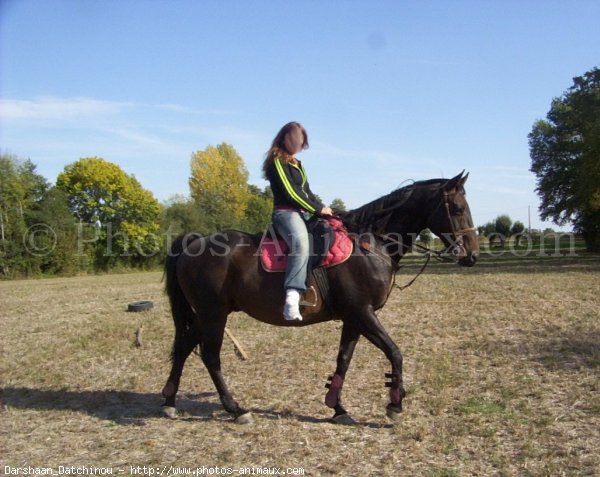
(330,246)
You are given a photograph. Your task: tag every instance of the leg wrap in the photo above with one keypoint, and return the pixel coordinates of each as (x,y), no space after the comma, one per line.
(395,385)
(335,389)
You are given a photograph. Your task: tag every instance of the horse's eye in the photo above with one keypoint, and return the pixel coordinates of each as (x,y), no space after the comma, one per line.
(458,210)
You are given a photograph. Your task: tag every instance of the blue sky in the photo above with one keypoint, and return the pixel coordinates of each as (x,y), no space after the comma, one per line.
(389,91)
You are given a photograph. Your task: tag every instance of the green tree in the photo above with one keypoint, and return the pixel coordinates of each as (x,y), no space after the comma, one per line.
(497,229)
(517,230)
(120,215)
(426,236)
(258,212)
(487,229)
(565,157)
(59,235)
(219,186)
(180,214)
(22,246)
(502,226)
(338,206)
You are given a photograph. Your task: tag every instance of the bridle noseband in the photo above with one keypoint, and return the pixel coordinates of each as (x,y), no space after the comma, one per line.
(452,253)
(456,247)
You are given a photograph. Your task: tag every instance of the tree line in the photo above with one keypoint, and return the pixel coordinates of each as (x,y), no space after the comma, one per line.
(501,229)
(97,217)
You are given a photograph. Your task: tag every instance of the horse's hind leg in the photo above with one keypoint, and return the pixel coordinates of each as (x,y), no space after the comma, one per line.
(184,344)
(213,329)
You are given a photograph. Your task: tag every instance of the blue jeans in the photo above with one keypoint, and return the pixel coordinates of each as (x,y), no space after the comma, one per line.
(292,228)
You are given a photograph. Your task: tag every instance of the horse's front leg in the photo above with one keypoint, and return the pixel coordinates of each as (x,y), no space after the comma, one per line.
(370,327)
(333,398)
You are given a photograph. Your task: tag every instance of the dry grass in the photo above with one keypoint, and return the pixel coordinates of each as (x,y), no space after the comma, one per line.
(502,371)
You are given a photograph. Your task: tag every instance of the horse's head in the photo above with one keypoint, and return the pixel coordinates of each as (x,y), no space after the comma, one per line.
(451,221)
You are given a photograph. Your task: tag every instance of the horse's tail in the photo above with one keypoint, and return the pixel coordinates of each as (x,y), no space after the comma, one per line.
(182,312)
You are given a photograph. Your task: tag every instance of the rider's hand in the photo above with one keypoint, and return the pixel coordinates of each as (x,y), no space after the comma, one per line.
(326,211)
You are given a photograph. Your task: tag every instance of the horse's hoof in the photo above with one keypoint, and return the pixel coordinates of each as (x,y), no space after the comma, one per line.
(343,419)
(245,418)
(393,412)
(170,412)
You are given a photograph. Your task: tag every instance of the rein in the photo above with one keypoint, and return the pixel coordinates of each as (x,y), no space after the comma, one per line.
(442,256)
(450,254)
(414,279)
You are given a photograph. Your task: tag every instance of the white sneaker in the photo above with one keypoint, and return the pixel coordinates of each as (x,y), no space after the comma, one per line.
(291,309)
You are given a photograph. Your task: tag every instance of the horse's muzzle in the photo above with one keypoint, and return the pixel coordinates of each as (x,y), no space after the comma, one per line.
(468,260)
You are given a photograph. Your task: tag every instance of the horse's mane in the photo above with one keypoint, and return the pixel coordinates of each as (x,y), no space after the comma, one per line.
(375,214)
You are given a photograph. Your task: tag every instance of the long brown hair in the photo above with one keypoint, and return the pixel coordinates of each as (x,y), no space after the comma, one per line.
(278,148)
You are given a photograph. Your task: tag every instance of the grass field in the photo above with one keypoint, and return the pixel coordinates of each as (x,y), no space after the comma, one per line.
(502,367)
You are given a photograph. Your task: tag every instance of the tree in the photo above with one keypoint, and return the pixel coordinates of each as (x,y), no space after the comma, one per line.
(565,156)
(62,246)
(487,229)
(502,227)
(338,206)
(219,186)
(121,215)
(181,215)
(258,212)
(22,189)
(426,236)
(517,230)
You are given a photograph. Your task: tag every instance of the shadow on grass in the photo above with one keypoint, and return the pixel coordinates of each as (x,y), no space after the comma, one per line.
(273,414)
(133,408)
(570,351)
(121,407)
(554,350)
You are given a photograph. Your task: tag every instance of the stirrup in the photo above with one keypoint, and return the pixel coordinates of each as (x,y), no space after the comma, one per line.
(309,297)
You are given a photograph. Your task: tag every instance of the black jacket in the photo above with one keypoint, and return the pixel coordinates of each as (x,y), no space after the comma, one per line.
(290,187)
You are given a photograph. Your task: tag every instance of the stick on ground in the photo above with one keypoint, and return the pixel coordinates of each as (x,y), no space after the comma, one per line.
(238,347)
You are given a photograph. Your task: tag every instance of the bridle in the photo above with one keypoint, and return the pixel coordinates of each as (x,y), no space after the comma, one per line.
(451,253)
(456,246)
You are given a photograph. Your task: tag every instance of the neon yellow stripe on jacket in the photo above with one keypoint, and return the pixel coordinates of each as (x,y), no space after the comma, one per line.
(290,189)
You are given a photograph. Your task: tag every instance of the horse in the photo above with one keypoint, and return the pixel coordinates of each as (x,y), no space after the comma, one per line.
(208,277)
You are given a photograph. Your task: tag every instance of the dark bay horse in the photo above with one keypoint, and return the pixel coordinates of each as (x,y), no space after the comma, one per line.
(208,277)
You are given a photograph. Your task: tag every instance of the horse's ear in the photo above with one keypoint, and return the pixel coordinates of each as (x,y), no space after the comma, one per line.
(463,180)
(456,181)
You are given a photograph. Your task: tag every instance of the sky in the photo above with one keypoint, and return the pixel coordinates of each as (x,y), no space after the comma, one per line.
(390,91)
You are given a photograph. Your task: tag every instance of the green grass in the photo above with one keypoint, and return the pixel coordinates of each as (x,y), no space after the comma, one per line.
(478,406)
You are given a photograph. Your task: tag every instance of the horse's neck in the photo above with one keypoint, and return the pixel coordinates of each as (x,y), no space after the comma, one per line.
(401,236)
(407,222)
(399,230)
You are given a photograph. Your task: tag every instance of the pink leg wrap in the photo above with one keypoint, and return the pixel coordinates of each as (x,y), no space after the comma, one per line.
(395,396)
(396,393)
(335,387)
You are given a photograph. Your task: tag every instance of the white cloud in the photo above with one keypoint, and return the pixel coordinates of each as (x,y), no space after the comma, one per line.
(137,138)
(55,108)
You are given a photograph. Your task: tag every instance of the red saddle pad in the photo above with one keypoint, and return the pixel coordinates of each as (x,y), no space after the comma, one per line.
(273,253)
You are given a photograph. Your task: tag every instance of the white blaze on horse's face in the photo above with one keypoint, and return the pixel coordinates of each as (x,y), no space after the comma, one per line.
(293,140)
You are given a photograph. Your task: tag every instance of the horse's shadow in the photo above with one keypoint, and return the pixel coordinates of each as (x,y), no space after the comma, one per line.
(121,407)
(134,408)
